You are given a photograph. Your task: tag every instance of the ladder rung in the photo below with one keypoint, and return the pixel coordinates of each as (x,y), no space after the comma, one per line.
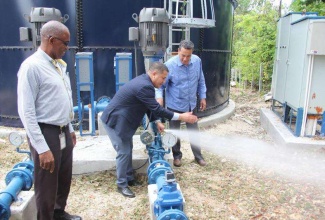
(180,1)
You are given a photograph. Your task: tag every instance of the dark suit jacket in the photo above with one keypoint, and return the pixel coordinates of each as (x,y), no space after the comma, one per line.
(131,102)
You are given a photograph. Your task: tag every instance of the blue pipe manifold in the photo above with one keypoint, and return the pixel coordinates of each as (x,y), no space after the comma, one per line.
(169,204)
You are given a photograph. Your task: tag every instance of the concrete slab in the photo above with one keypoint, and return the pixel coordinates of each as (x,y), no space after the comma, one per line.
(96,153)
(25,207)
(218,117)
(283,136)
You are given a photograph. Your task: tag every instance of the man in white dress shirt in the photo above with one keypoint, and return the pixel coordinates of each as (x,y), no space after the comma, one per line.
(46,110)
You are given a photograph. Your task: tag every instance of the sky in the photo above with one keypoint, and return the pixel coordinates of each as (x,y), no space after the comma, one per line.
(285,5)
(284,2)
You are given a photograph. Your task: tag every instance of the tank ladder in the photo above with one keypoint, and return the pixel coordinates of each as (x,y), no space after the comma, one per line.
(182,20)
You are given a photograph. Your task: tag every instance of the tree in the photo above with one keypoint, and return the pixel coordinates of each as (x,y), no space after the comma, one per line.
(308,6)
(254,41)
(255,27)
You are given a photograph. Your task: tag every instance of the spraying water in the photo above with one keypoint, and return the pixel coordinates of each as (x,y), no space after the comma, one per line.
(297,164)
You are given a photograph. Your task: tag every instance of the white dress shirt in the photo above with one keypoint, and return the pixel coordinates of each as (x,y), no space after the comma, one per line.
(44,96)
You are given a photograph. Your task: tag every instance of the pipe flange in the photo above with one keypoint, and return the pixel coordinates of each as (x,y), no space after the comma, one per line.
(157,172)
(172,214)
(23,170)
(157,163)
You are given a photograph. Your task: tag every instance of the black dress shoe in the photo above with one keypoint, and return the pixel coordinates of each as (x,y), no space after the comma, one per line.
(125,191)
(177,162)
(201,162)
(63,215)
(134,183)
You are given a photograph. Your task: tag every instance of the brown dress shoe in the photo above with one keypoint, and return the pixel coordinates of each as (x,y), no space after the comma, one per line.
(202,163)
(177,162)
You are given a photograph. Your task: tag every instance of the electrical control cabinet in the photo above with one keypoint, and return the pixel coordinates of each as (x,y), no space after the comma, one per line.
(282,52)
(305,78)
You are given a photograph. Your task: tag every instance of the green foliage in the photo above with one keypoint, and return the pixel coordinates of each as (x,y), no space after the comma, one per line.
(308,6)
(247,6)
(244,7)
(255,35)
(254,41)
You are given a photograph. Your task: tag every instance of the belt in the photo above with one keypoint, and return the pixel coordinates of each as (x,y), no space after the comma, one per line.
(62,128)
(193,110)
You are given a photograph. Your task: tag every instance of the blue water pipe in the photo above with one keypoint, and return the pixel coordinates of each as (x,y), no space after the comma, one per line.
(86,85)
(169,204)
(19,178)
(97,107)
(322,130)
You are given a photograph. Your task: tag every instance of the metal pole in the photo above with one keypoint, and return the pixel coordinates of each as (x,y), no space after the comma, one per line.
(260,79)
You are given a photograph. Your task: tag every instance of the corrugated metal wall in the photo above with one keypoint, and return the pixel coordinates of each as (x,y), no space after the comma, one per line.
(101,27)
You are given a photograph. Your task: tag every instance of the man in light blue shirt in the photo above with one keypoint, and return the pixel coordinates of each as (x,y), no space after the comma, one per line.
(184,83)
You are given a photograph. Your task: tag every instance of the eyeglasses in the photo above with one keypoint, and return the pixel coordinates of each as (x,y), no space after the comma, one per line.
(64,42)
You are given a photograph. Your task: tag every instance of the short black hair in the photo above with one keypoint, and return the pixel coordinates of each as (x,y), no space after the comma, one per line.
(159,67)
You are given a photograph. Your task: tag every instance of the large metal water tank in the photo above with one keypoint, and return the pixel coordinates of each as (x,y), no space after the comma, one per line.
(101,27)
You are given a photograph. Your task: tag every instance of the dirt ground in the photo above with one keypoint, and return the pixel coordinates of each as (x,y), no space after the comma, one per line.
(224,189)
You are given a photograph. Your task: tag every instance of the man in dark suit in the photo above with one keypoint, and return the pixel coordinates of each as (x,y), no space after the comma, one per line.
(124,113)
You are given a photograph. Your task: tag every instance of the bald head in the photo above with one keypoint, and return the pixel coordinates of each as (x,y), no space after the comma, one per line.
(55,39)
(53,28)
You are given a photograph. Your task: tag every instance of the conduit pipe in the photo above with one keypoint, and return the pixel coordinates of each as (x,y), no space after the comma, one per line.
(307,94)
